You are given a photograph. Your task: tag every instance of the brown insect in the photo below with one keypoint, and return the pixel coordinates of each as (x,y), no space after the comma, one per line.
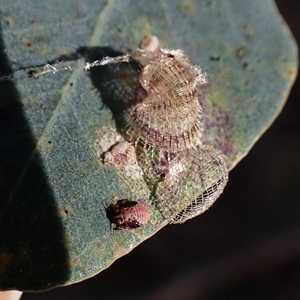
(127,214)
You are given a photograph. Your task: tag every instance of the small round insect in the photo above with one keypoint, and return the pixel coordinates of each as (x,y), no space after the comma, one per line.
(128,214)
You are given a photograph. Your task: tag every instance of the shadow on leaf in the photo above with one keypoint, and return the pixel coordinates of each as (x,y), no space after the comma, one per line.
(118,84)
(33,253)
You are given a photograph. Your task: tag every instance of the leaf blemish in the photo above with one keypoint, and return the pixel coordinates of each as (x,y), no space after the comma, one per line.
(9,22)
(245,65)
(214,58)
(28,43)
(65,211)
(240,53)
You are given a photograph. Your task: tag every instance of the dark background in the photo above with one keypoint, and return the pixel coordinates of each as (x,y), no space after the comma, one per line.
(245,247)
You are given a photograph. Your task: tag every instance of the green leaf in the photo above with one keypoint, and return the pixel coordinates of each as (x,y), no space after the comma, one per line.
(54,190)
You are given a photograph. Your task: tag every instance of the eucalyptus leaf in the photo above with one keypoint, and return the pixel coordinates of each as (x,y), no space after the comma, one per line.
(54,189)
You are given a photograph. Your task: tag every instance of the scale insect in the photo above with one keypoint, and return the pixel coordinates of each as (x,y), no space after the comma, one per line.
(128,214)
(170,116)
(185,184)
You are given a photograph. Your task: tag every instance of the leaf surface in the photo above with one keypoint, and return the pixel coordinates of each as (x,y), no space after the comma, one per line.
(54,190)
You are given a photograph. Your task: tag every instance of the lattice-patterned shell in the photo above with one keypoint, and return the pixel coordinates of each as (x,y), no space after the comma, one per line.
(170,116)
(198,174)
(127,214)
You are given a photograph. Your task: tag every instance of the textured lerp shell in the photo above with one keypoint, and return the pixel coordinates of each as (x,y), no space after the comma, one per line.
(170,116)
(198,174)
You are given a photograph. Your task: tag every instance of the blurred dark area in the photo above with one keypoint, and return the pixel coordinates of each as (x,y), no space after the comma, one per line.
(245,247)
